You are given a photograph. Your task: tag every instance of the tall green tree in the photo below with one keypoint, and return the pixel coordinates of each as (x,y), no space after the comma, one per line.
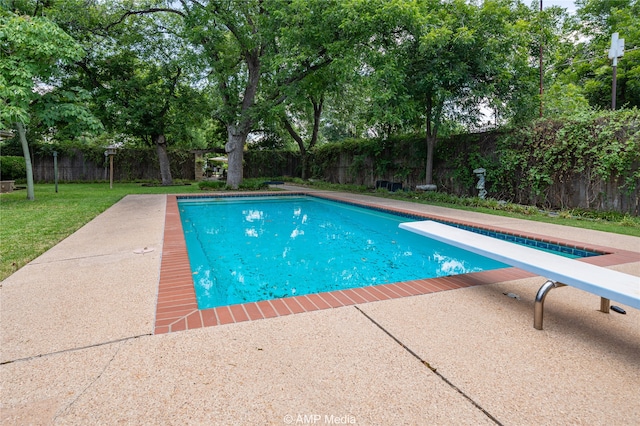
(298,101)
(247,46)
(32,52)
(447,59)
(138,71)
(242,47)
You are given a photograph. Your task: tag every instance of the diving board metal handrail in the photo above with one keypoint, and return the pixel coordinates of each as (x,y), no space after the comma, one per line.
(606,283)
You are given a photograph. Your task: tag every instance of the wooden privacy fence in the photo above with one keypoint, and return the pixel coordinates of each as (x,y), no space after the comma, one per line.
(577,191)
(128,165)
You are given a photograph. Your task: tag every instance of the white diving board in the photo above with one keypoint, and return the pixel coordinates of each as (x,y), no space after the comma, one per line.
(559,270)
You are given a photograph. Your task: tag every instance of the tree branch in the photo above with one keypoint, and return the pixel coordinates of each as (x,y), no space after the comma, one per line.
(172,90)
(93,78)
(143,12)
(317,113)
(292,132)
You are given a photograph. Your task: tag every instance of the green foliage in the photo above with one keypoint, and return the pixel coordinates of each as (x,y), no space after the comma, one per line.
(33,48)
(537,164)
(268,163)
(460,154)
(446,57)
(212,185)
(599,146)
(387,158)
(586,63)
(12,168)
(247,185)
(564,100)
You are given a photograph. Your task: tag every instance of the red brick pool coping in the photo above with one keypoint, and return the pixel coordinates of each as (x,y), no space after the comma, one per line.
(177,308)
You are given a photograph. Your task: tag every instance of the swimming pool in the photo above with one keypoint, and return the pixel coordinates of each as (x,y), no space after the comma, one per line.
(246,249)
(177,308)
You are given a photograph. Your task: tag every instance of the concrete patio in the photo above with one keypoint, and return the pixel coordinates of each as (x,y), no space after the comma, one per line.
(77,345)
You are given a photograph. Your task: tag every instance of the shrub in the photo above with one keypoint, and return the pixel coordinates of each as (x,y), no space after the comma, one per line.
(246,185)
(12,168)
(212,185)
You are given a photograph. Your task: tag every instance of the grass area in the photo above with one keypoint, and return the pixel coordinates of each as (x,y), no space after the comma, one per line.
(29,228)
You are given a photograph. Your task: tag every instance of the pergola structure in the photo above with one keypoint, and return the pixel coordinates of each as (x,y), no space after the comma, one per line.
(199,155)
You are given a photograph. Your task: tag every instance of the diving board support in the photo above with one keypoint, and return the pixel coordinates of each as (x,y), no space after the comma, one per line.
(538,314)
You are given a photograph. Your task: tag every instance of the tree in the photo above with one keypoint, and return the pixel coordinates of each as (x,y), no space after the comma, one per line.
(447,60)
(591,69)
(138,73)
(555,39)
(288,119)
(298,101)
(135,98)
(241,46)
(245,45)
(32,50)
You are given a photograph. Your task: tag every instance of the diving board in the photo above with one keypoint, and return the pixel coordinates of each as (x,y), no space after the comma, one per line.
(559,271)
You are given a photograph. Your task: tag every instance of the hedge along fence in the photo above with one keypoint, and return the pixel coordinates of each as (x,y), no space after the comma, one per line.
(589,161)
(403,159)
(271,163)
(129,164)
(12,168)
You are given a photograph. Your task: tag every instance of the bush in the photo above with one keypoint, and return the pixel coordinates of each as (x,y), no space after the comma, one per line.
(246,185)
(212,185)
(12,168)
(253,184)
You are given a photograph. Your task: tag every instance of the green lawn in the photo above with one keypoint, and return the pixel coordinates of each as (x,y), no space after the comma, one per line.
(29,228)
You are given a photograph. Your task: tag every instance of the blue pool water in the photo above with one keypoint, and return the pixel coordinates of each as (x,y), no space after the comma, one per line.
(250,249)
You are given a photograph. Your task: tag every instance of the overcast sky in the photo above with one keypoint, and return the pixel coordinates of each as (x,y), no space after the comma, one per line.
(566,4)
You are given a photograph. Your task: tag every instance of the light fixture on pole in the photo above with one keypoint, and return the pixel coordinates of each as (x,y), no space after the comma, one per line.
(615,51)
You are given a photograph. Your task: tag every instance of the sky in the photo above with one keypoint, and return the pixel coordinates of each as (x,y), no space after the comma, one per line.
(566,4)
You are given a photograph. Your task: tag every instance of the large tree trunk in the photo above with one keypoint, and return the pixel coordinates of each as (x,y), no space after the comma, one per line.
(238,131)
(235,153)
(27,158)
(433,120)
(431,144)
(165,167)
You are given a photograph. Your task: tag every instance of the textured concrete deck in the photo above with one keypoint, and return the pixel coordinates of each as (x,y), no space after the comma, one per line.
(77,345)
